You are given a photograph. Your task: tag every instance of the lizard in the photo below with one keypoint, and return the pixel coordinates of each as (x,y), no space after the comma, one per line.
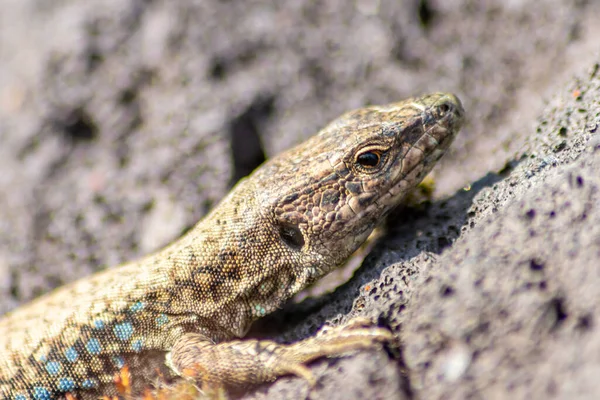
(182,312)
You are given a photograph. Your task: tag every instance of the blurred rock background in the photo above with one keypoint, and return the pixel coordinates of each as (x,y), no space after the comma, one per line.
(123,122)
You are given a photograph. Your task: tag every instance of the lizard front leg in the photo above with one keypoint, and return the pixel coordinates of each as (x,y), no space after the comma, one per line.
(241,362)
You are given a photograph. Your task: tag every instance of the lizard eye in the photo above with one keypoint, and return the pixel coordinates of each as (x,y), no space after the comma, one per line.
(291,235)
(370,160)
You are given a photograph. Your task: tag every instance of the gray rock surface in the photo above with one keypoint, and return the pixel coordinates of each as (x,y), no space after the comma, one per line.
(123,122)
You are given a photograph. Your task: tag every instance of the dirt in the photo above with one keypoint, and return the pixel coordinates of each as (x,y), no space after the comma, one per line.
(122,123)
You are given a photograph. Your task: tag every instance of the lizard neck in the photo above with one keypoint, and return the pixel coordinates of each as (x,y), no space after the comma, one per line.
(231,268)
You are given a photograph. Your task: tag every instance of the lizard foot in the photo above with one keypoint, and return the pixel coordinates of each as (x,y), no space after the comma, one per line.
(241,362)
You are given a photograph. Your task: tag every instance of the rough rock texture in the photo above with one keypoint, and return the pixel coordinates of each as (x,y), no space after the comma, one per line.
(123,122)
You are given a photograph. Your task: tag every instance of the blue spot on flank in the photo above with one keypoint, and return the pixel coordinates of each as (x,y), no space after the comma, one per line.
(99,324)
(66,384)
(20,397)
(137,345)
(93,346)
(43,358)
(137,306)
(53,367)
(89,384)
(162,319)
(123,331)
(71,354)
(41,393)
(118,361)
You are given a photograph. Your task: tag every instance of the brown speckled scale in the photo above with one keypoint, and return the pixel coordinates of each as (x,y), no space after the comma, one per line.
(180,312)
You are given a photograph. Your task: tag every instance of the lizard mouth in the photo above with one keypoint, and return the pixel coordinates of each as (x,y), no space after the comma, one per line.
(440,122)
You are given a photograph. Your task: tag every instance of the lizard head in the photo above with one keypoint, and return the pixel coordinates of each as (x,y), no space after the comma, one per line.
(331,191)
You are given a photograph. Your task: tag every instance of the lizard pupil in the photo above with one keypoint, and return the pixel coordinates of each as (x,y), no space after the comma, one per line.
(369,159)
(292,236)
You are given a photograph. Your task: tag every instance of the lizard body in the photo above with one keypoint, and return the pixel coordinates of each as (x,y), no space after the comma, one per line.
(181,310)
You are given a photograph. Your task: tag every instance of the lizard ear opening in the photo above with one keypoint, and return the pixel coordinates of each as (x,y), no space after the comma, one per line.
(291,235)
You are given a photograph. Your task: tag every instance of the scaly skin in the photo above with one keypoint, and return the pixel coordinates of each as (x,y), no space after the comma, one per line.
(181,311)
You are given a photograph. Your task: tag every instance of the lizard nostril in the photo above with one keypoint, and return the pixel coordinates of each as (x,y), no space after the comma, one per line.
(291,235)
(445,108)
